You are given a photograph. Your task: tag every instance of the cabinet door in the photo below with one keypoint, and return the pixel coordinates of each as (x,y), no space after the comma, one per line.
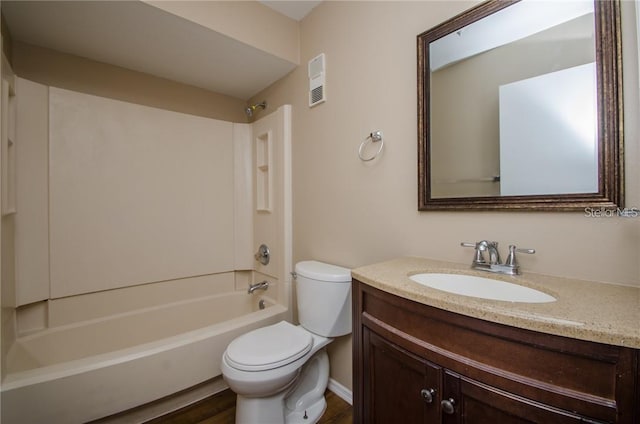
(466,401)
(399,386)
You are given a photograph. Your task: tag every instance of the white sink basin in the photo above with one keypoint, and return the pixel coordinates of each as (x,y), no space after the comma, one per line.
(484,288)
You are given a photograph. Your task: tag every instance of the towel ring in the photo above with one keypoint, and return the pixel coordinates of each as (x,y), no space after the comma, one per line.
(374,137)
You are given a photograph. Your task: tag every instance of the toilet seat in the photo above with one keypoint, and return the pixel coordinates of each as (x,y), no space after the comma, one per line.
(269,347)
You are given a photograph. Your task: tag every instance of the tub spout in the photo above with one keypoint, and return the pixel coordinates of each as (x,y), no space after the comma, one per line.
(258,286)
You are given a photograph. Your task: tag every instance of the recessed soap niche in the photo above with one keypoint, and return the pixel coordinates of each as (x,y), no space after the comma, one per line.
(263,172)
(8,146)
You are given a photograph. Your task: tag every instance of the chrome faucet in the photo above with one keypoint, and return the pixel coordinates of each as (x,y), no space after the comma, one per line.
(492,248)
(258,286)
(509,267)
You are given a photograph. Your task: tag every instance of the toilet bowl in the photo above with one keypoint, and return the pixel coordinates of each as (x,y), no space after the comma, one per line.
(280,372)
(283,390)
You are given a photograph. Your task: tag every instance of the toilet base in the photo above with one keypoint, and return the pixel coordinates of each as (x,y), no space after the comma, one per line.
(267,410)
(310,415)
(290,406)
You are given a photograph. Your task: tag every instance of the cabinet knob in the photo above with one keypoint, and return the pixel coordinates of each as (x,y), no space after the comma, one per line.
(448,406)
(428,395)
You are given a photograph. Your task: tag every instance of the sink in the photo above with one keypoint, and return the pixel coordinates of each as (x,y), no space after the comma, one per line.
(484,288)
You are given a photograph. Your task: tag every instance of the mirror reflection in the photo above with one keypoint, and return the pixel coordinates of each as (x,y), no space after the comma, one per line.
(513,103)
(519,107)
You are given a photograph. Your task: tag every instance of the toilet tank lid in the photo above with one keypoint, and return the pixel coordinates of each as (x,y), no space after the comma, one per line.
(323,272)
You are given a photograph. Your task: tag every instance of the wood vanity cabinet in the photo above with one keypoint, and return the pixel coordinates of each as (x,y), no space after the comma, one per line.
(418,364)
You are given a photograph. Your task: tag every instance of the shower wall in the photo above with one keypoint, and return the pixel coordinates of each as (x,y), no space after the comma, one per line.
(52,68)
(137,194)
(115,195)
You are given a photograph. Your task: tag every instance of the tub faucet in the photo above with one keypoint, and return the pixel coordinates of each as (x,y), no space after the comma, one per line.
(510,266)
(258,286)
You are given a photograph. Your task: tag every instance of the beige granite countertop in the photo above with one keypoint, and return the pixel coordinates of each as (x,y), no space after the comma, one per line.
(598,312)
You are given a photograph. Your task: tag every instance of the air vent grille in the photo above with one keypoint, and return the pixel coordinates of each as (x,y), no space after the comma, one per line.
(317,81)
(317,95)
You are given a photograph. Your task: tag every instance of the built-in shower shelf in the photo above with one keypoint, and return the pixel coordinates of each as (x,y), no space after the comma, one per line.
(8,151)
(263,175)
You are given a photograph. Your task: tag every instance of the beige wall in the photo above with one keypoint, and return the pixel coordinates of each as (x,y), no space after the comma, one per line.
(351,213)
(75,73)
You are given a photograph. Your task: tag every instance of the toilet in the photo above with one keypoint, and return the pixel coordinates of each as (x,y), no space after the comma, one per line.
(280,372)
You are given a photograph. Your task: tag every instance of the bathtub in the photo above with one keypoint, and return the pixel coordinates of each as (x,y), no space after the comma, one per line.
(81,372)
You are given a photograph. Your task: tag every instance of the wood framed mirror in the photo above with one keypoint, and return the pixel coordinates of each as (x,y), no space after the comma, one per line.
(520,108)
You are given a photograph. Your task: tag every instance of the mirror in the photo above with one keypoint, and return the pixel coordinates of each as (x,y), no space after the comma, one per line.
(520,108)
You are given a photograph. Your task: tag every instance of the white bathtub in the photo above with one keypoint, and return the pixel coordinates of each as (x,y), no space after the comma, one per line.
(81,372)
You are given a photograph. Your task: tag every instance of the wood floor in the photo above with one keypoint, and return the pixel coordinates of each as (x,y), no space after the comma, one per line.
(221,409)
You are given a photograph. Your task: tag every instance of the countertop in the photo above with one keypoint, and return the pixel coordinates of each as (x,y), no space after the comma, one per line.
(598,312)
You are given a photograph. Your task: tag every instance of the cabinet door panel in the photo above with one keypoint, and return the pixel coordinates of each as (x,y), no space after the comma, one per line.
(395,380)
(479,403)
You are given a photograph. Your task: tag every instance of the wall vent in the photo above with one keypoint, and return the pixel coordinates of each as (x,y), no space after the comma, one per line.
(317,82)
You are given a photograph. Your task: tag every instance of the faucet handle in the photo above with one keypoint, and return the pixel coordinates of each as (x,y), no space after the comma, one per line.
(511,258)
(479,257)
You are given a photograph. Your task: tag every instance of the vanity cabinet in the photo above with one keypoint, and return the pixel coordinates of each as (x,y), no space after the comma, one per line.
(418,364)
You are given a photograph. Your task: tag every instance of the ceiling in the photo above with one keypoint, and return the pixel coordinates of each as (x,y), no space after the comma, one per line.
(293,9)
(138,36)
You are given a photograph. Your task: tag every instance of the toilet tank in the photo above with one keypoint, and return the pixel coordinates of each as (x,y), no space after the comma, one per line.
(323,293)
